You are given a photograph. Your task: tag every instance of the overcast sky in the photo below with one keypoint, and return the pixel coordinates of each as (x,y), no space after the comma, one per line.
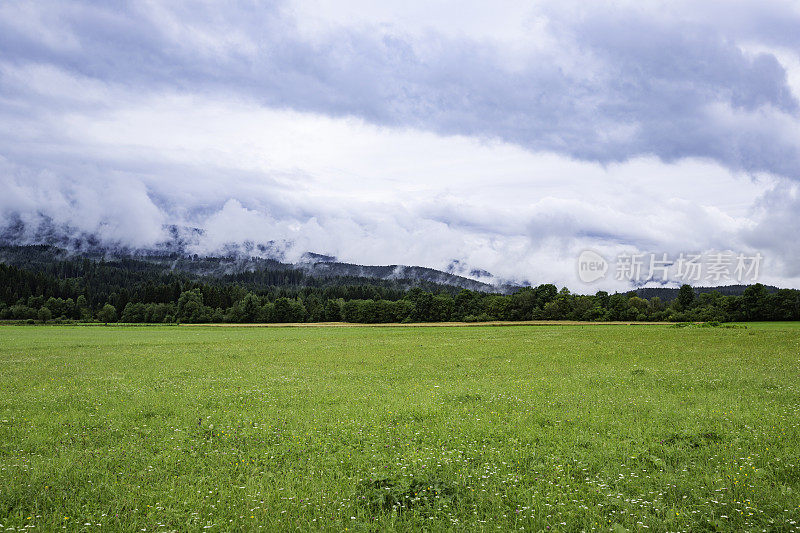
(509,136)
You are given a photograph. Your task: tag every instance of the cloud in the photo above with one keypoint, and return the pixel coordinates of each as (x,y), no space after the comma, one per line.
(778,211)
(509,139)
(300,182)
(606,83)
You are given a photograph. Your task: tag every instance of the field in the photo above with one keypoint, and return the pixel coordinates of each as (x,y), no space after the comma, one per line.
(535,428)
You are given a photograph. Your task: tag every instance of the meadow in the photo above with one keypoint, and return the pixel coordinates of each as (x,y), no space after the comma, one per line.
(524,428)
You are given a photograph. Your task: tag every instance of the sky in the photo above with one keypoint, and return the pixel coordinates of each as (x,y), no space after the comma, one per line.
(502,136)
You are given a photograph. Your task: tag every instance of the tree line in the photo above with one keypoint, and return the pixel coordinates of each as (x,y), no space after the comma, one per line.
(84,290)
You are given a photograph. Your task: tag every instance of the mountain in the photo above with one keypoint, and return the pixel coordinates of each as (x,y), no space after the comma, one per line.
(47,241)
(669,294)
(316,269)
(57,243)
(392,272)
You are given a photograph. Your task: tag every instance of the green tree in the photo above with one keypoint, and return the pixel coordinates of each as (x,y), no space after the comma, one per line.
(134,313)
(191,308)
(423,301)
(602,299)
(56,306)
(466,304)
(44,315)
(544,294)
(755,299)
(283,310)
(333,311)
(497,306)
(619,308)
(107,314)
(523,302)
(267,313)
(639,304)
(297,311)
(441,308)
(21,312)
(247,309)
(159,312)
(351,311)
(655,305)
(685,297)
(82,308)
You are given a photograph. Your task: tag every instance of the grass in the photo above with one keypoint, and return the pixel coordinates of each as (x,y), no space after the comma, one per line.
(545,428)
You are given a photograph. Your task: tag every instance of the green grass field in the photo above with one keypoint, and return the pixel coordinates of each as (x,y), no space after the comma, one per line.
(543,428)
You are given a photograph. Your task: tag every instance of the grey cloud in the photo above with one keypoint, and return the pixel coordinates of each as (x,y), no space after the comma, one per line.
(617,84)
(647,88)
(777,213)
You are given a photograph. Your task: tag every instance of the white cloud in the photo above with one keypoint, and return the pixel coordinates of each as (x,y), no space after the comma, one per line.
(509,138)
(369,194)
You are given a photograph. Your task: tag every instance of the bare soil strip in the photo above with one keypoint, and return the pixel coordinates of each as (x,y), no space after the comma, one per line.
(431,324)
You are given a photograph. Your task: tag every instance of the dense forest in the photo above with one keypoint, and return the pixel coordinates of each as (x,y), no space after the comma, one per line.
(131,291)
